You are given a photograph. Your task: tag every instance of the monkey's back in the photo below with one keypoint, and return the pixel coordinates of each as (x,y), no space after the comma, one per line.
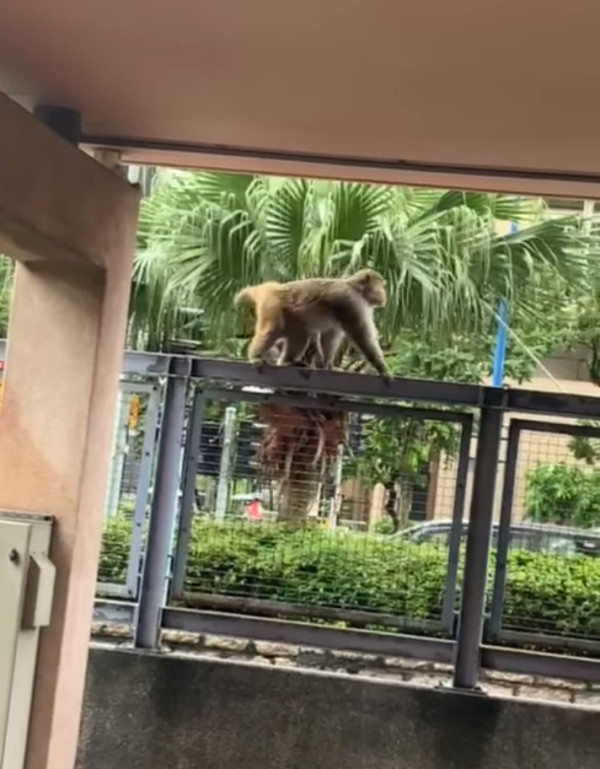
(317,303)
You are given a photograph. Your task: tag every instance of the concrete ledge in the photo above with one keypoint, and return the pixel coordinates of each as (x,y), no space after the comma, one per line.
(167,711)
(392,669)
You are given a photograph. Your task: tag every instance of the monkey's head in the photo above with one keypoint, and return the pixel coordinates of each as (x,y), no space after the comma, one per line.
(371,285)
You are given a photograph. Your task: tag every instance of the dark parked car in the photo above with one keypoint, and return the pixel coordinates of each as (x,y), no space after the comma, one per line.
(540,538)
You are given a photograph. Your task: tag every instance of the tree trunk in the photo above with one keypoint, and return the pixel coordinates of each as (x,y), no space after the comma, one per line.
(405,494)
(297,494)
(391,504)
(297,449)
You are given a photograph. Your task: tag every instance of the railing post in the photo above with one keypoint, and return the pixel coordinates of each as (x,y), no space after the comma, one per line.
(143,491)
(164,506)
(468,643)
(226,462)
(458,511)
(190,472)
(508,493)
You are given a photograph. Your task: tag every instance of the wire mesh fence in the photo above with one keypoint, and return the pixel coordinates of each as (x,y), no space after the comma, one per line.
(304,510)
(547,545)
(357,471)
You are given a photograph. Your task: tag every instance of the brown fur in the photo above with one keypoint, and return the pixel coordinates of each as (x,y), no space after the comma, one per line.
(319,312)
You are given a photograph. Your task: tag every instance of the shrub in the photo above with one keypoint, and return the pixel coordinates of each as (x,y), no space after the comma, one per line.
(312,567)
(554,594)
(384,526)
(315,568)
(114,554)
(560,493)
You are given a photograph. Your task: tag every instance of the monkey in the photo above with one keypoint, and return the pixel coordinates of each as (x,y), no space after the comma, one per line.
(320,312)
(317,314)
(281,335)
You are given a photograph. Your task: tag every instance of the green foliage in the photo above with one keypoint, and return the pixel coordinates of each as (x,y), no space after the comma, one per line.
(395,449)
(586,311)
(6,278)
(462,359)
(586,448)
(561,493)
(309,566)
(204,236)
(553,594)
(395,452)
(315,568)
(114,554)
(384,526)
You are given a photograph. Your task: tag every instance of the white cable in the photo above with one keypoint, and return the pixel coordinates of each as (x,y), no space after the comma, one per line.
(529,352)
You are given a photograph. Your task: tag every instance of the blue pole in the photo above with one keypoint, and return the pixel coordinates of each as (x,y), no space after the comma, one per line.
(501,338)
(500,351)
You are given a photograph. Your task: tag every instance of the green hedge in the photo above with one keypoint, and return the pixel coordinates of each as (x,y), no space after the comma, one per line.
(544,592)
(114,554)
(316,568)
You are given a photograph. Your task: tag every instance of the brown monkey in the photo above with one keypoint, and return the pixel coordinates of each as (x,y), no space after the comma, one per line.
(320,311)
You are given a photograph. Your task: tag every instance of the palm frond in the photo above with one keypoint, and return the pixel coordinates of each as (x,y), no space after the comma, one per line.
(286,225)
(508,208)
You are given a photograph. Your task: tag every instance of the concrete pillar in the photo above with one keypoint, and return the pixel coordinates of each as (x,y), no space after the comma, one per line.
(72,224)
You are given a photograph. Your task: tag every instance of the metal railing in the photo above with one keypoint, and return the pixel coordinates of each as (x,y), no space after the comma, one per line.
(558,494)
(188,547)
(474,584)
(277,556)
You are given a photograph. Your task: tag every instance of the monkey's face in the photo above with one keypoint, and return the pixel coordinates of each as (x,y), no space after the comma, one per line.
(372,287)
(377,295)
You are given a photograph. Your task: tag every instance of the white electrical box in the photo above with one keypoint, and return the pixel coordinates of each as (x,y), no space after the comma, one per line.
(26,591)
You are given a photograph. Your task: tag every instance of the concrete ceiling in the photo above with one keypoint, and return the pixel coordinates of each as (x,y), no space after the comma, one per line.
(398,90)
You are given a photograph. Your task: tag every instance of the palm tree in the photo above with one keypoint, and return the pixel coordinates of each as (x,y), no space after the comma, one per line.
(204,236)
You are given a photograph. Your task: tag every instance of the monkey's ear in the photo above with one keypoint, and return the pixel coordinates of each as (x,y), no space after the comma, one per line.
(374,276)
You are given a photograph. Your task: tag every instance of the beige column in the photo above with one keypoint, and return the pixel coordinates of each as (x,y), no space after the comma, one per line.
(71,223)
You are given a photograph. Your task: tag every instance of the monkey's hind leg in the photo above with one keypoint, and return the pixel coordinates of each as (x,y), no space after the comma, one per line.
(315,352)
(330,343)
